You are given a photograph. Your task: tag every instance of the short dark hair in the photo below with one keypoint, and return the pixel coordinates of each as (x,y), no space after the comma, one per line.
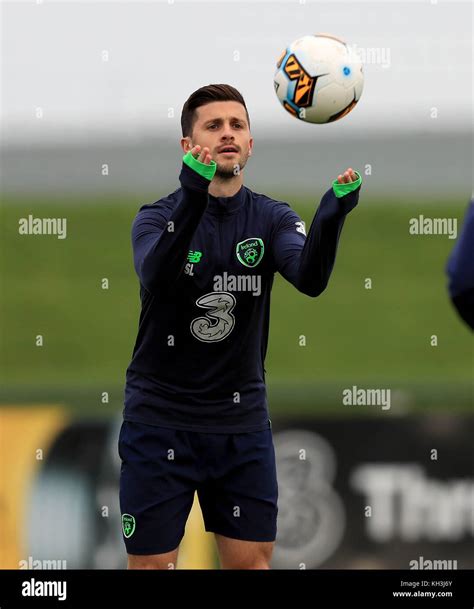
(206,95)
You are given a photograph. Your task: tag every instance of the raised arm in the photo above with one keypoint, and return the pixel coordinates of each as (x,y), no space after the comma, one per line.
(161,240)
(307,262)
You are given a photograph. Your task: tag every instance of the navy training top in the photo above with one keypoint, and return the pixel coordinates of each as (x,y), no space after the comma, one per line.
(206,266)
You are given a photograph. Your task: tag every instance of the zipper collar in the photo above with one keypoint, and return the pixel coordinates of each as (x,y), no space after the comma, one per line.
(225,206)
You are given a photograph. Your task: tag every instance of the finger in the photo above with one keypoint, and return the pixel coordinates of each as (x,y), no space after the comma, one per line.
(340,179)
(207,158)
(195,150)
(204,153)
(347,177)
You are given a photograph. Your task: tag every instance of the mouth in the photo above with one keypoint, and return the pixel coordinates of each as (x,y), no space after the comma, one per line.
(228,151)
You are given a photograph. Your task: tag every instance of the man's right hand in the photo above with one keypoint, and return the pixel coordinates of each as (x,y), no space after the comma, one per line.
(204,156)
(200,161)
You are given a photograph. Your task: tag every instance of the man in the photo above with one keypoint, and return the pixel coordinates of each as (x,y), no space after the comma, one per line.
(196,416)
(460,270)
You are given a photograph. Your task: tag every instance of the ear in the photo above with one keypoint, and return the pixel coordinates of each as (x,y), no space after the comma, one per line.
(186,143)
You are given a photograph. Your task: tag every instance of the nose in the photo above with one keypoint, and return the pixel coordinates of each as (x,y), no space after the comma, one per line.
(227,135)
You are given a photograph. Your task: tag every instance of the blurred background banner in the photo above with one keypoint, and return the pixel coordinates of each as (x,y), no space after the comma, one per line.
(375,493)
(352,494)
(91,98)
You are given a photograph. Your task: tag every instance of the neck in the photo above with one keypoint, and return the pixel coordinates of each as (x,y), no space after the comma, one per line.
(225,188)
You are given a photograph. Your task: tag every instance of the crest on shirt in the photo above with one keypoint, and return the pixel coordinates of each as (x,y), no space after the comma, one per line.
(250,251)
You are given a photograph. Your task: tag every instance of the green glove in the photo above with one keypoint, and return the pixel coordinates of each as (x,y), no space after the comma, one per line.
(206,171)
(344,189)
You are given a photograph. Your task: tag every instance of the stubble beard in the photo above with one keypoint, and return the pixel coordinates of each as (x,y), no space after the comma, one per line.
(228,170)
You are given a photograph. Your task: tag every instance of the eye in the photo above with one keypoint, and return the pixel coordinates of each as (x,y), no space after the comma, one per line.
(211,126)
(237,125)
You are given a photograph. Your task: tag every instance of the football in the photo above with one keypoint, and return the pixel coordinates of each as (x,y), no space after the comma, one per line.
(319,78)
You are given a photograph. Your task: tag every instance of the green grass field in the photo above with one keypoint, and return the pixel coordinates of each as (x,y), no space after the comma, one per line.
(377,337)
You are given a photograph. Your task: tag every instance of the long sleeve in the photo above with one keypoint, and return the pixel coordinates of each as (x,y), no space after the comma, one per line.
(460,270)
(308,263)
(161,240)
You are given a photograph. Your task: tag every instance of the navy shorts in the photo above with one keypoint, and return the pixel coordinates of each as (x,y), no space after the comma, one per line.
(233,474)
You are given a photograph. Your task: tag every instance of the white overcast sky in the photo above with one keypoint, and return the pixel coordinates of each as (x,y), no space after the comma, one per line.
(159,52)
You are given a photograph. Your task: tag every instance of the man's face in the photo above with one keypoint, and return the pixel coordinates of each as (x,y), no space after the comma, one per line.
(220,124)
